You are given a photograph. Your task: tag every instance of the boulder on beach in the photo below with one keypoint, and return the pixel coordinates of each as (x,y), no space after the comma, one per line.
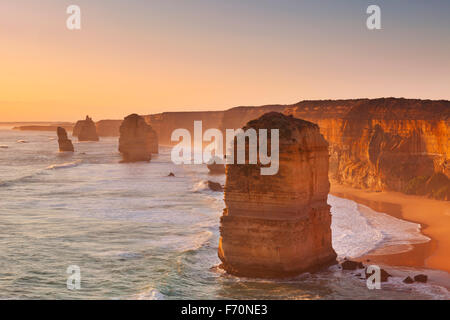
(171,174)
(423,278)
(408,280)
(65,145)
(351,265)
(279,226)
(137,139)
(384,275)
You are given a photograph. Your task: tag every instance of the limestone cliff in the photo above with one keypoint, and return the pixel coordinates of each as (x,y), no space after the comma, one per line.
(108,128)
(280,225)
(165,123)
(65,145)
(137,139)
(375,144)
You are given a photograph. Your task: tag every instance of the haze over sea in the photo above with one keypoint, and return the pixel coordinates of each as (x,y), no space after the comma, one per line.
(138,234)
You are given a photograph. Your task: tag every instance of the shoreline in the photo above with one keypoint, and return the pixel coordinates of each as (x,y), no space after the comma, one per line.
(432,215)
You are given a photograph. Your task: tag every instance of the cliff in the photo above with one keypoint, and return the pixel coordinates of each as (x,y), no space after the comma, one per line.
(65,145)
(375,144)
(275,226)
(137,139)
(165,123)
(108,128)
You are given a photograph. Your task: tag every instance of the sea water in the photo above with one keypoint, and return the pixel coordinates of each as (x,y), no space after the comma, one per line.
(136,233)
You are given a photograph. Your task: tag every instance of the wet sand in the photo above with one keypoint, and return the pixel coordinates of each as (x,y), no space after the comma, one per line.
(432,215)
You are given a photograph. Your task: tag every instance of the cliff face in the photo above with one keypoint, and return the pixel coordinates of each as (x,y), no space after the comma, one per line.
(280,225)
(165,123)
(65,145)
(375,144)
(108,128)
(137,139)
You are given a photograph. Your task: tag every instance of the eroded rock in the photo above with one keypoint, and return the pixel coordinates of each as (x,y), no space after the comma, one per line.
(137,139)
(65,145)
(279,225)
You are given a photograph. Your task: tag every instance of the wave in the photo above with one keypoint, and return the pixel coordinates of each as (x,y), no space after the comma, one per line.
(22,141)
(64,165)
(201,186)
(358,230)
(4,146)
(150,294)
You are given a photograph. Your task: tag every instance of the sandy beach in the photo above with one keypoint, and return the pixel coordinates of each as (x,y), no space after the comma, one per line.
(433,215)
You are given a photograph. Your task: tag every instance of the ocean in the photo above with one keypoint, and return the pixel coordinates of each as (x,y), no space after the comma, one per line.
(136,233)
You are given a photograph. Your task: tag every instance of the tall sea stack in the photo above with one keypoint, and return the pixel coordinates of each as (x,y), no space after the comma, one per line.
(137,139)
(65,145)
(280,225)
(87,130)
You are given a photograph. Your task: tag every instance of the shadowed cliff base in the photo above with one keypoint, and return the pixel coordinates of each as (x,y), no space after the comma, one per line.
(273,226)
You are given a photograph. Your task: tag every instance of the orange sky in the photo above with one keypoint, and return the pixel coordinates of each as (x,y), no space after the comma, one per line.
(155,56)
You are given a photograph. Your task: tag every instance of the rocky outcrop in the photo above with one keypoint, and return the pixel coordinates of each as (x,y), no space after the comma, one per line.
(108,128)
(279,225)
(65,145)
(215,186)
(137,139)
(86,130)
(215,166)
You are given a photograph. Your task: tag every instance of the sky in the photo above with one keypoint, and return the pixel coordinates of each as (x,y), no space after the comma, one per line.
(145,56)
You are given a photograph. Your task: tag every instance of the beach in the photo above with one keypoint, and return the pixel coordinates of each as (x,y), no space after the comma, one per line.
(432,215)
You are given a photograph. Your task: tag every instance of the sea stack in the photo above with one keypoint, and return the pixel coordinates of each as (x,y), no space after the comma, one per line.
(277,226)
(65,145)
(137,139)
(87,130)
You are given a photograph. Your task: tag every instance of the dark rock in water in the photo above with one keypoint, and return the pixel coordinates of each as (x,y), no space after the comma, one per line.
(65,145)
(351,265)
(421,278)
(384,275)
(171,174)
(215,166)
(87,130)
(214,186)
(137,139)
(408,280)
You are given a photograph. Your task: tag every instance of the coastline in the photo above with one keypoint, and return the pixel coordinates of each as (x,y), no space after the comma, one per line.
(432,215)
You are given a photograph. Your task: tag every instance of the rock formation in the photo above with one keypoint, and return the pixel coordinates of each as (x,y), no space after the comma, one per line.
(215,186)
(279,225)
(137,139)
(214,167)
(65,145)
(86,130)
(375,144)
(108,128)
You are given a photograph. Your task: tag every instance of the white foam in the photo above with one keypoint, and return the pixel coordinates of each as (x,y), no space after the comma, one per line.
(358,232)
(150,294)
(352,235)
(64,165)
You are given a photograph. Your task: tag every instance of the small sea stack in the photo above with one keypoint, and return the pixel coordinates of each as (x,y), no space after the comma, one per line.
(86,131)
(137,139)
(278,226)
(65,145)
